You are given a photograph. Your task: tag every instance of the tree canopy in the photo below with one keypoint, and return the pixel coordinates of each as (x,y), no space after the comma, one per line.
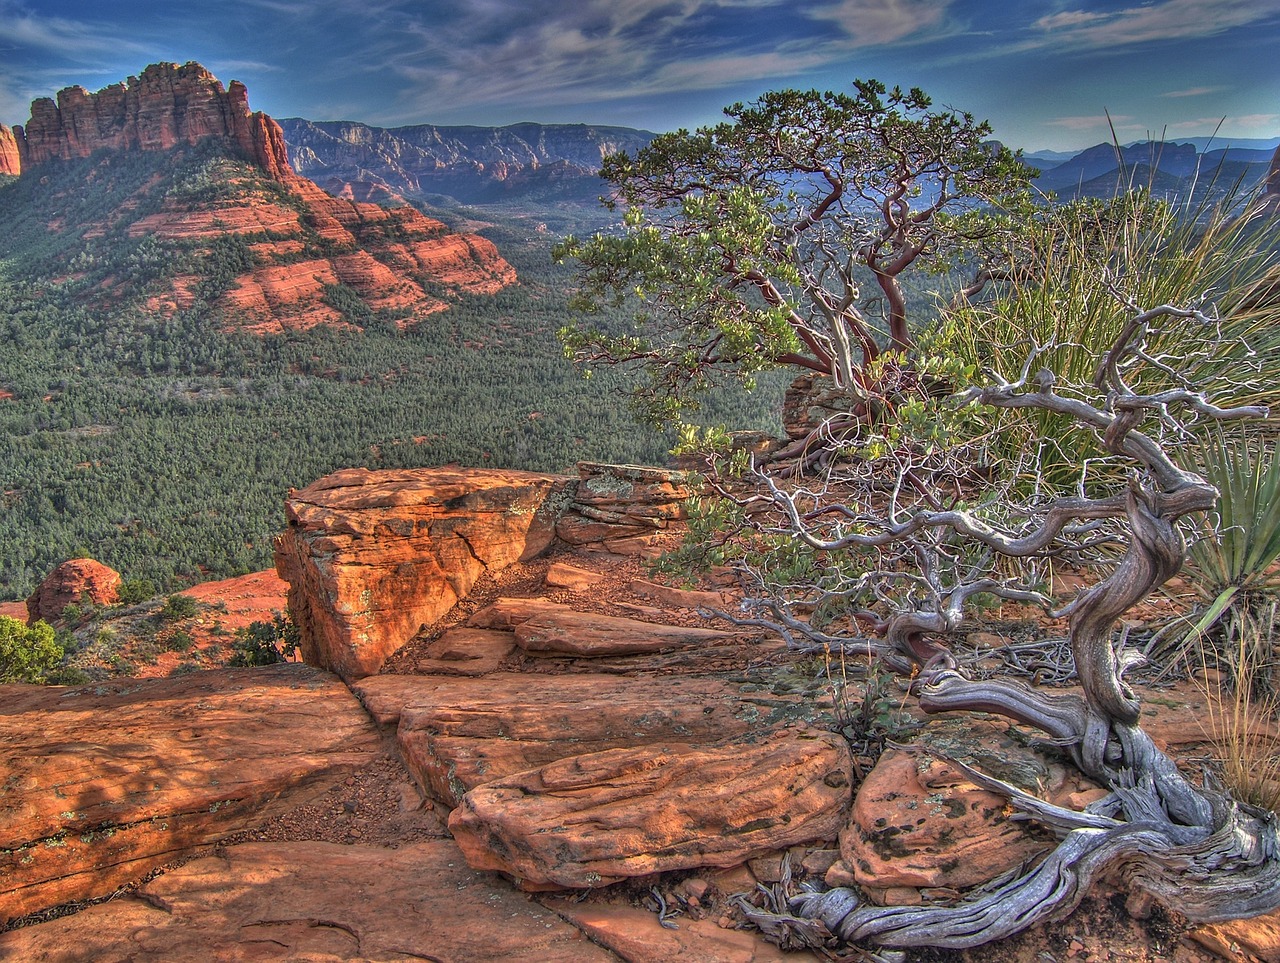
(748,244)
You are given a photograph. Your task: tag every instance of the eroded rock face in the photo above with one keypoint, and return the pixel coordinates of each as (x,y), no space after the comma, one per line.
(74,581)
(313,901)
(372,556)
(10,162)
(621,508)
(601,817)
(918,821)
(103,783)
(457,734)
(165,106)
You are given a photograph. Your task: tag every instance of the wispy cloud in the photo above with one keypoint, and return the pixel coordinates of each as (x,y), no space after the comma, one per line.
(1256,123)
(1155,21)
(1090,121)
(874,22)
(1193,92)
(67,38)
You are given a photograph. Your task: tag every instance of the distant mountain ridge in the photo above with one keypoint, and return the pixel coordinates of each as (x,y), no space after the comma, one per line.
(1165,166)
(470,164)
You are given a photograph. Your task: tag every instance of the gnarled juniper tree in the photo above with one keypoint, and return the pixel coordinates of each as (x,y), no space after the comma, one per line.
(748,244)
(903,545)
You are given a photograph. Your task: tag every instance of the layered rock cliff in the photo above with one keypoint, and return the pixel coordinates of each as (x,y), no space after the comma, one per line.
(165,106)
(472,164)
(10,164)
(206,174)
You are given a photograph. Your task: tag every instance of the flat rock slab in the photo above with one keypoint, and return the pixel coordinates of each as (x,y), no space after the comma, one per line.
(103,783)
(313,901)
(458,734)
(466,651)
(587,635)
(602,817)
(634,934)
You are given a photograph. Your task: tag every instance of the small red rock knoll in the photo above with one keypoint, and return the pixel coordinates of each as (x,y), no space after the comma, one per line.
(80,578)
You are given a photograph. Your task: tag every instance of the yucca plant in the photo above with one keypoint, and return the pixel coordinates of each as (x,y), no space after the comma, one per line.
(1232,564)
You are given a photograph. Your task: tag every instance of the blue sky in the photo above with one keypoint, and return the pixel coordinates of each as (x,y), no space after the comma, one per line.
(1045,72)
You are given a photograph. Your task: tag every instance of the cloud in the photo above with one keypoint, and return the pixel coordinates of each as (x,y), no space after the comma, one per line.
(1193,92)
(1155,21)
(64,37)
(873,22)
(1264,123)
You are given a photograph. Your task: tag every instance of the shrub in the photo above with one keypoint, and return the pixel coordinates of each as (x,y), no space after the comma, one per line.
(179,607)
(135,590)
(265,643)
(27,652)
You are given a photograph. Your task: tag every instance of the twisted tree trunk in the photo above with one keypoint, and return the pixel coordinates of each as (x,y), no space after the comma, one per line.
(1191,847)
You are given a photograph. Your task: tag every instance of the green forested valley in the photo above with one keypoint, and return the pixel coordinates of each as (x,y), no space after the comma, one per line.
(164,446)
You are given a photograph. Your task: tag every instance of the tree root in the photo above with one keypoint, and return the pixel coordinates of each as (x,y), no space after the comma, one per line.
(1227,873)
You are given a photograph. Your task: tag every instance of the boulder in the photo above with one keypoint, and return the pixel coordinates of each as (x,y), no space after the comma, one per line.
(76,581)
(373,556)
(313,901)
(104,783)
(918,821)
(621,508)
(458,734)
(602,817)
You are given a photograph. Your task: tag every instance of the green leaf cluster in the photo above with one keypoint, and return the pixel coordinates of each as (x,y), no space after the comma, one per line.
(26,652)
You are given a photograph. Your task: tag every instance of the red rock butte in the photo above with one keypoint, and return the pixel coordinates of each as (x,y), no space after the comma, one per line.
(168,105)
(10,163)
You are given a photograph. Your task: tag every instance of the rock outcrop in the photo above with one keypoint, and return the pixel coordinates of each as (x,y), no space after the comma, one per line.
(371,557)
(314,901)
(918,822)
(10,162)
(601,817)
(622,508)
(167,105)
(308,258)
(457,734)
(73,582)
(103,783)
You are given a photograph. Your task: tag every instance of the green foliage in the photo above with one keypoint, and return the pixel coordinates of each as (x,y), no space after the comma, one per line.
(135,590)
(712,523)
(178,607)
(180,641)
(1238,550)
(265,643)
(1232,563)
(27,653)
(746,245)
(1077,278)
(168,444)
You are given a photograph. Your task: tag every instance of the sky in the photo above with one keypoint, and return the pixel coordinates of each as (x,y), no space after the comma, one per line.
(1047,74)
